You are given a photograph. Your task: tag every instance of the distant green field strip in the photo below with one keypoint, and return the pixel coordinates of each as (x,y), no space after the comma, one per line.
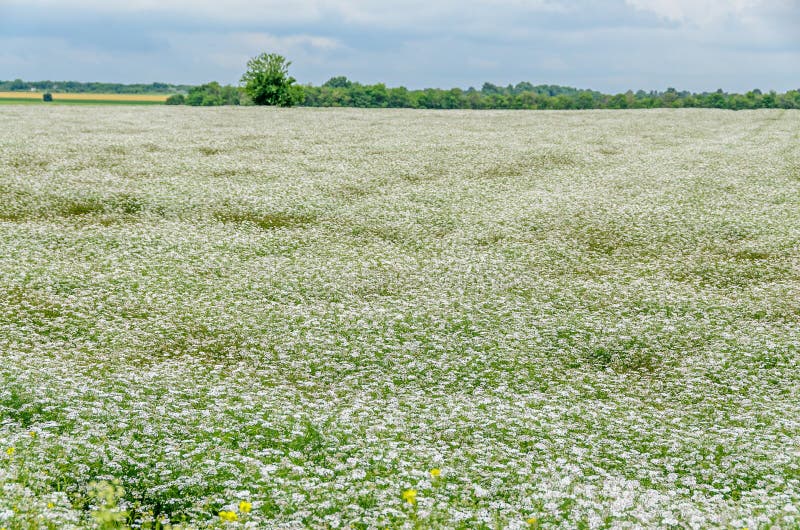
(28,101)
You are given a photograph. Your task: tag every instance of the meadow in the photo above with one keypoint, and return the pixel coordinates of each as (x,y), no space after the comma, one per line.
(341,318)
(17,98)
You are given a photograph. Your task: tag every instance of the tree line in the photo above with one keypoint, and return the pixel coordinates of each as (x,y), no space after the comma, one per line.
(341,92)
(78,87)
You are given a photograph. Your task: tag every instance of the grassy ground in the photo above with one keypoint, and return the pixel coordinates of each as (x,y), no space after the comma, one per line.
(17,98)
(81,102)
(290,318)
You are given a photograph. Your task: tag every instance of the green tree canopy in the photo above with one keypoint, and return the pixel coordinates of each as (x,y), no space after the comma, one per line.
(267,81)
(339,81)
(211,94)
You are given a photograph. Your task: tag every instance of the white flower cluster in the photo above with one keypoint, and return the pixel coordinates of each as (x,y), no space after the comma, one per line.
(274,318)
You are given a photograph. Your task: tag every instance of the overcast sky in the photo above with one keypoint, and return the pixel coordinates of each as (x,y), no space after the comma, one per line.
(607,45)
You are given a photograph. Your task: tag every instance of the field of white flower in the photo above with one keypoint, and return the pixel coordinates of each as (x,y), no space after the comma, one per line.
(270,318)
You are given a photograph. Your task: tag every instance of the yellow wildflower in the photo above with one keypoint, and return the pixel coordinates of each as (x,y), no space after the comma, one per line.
(228,516)
(410,496)
(10,451)
(532,521)
(50,505)
(245,507)
(436,472)
(32,434)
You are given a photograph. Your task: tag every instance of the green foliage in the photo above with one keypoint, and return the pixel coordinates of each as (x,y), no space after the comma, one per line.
(47,96)
(341,92)
(267,81)
(176,99)
(77,87)
(105,496)
(338,82)
(213,94)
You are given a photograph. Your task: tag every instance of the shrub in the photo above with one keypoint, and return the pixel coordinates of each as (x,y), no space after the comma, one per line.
(47,96)
(176,99)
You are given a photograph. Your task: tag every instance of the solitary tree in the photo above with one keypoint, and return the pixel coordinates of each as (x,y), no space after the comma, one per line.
(47,96)
(267,81)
